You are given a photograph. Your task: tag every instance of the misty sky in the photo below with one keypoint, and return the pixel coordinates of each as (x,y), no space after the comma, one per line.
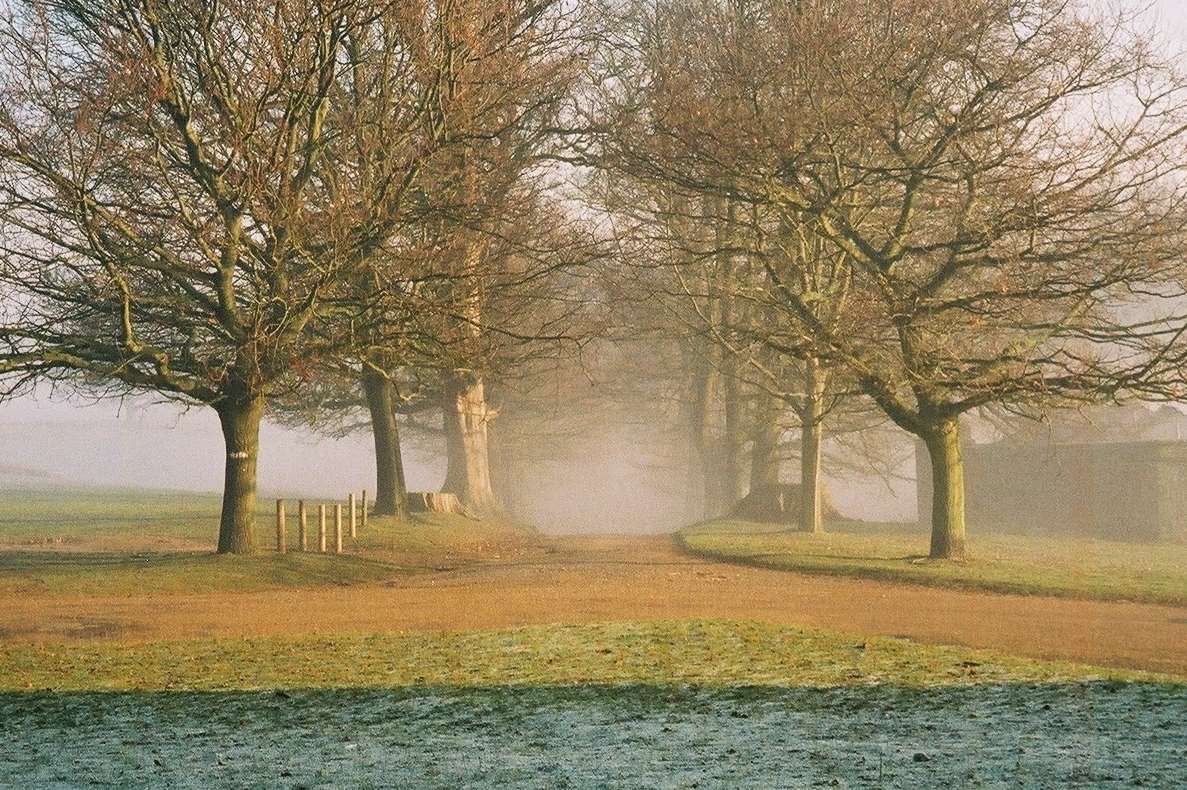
(158,446)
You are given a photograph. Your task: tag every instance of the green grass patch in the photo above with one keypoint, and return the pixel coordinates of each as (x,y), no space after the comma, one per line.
(75,573)
(128,542)
(443,535)
(1029,565)
(702,653)
(116,519)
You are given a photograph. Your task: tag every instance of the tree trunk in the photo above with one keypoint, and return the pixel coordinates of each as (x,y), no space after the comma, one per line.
(731,478)
(240,418)
(390,490)
(764,453)
(401,492)
(508,479)
(467,450)
(811,518)
(700,416)
(947,509)
(731,441)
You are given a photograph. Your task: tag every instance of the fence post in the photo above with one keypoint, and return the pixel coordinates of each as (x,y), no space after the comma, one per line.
(302,525)
(337,527)
(364,508)
(321,528)
(280,526)
(354,532)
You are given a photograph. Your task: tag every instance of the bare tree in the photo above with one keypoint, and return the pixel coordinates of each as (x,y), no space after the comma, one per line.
(685,63)
(1000,175)
(700,266)
(175,219)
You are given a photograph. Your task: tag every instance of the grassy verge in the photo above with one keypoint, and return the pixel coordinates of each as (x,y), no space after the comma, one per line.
(1027,565)
(702,653)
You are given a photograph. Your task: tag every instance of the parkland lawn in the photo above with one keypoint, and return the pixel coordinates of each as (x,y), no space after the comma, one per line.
(667,705)
(695,653)
(1027,565)
(123,542)
(603,670)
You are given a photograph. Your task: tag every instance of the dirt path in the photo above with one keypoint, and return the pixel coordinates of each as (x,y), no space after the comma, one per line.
(617,578)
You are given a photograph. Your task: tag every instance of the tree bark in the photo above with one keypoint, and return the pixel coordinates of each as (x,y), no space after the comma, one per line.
(240,418)
(731,441)
(508,479)
(467,448)
(731,478)
(705,385)
(811,430)
(432,502)
(390,489)
(764,453)
(947,510)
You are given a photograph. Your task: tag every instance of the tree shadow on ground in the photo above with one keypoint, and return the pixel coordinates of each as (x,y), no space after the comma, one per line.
(31,559)
(129,573)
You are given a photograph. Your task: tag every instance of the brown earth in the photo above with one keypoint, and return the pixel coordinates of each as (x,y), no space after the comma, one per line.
(584,579)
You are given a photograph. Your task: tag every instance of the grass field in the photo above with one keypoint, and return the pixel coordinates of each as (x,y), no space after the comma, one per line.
(700,653)
(690,704)
(125,542)
(1027,565)
(629,703)
(112,519)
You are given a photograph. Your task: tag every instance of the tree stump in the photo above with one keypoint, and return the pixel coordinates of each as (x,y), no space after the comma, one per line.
(436,502)
(779,504)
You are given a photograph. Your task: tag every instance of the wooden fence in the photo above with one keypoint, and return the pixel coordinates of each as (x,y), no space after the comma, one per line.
(356,511)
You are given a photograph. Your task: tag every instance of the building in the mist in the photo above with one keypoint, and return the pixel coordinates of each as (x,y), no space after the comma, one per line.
(1084,481)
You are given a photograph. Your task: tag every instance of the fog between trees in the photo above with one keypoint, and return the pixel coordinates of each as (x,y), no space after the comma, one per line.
(511,233)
